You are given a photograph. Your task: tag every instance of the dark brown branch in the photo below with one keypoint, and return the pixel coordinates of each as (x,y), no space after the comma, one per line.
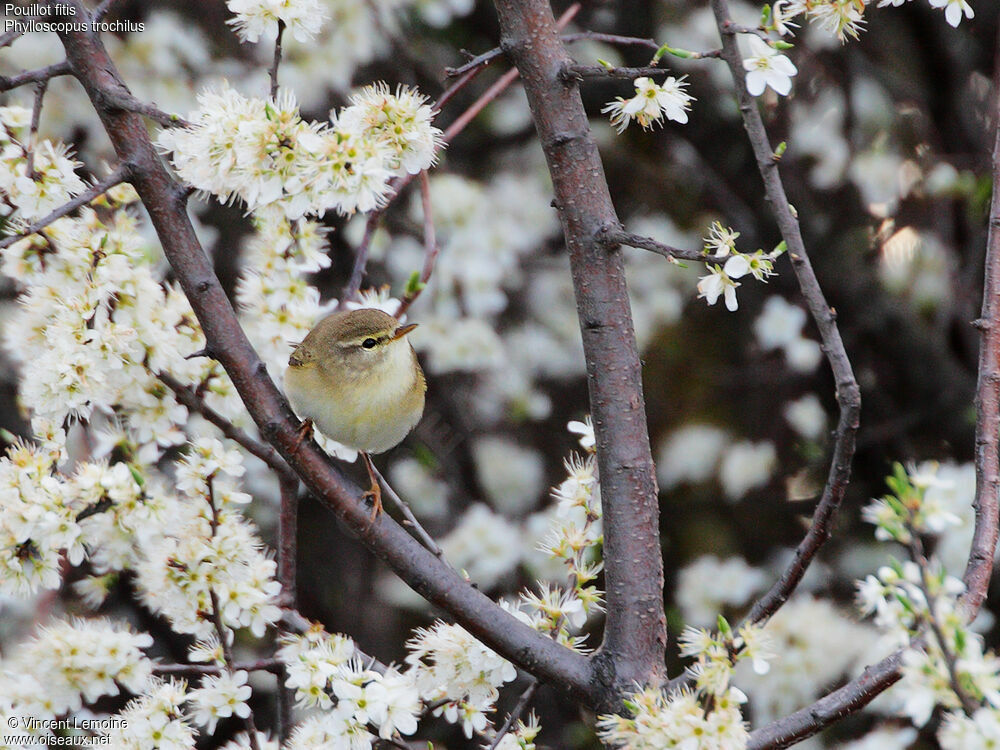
(427,575)
(481,61)
(635,633)
(34,76)
(831,708)
(987,460)
(121,174)
(847,392)
(186,396)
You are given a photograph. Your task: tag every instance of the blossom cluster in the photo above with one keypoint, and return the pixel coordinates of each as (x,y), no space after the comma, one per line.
(845,18)
(94,326)
(303,18)
(52,179)
(659,720)
(210,564)
(446,668)
(651,104)
(720,280)
(918,604)
(264,154)
(69,663)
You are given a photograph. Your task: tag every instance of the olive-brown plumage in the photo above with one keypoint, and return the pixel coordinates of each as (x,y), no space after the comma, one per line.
(356,377)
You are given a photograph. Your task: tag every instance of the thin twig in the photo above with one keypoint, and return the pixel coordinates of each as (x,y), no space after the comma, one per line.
(477,62)
(36,117)
(227,653)
(129,103)
(969,706)
(987,457)
(736,28)
(618,236)
(847,392)
(186,396)
(450,92)
(361,257)
(118,176)
(411,520)
(599,71)
(273,70)
(287,567)
(102,10)
(263,665)
(522,703)
(431,247)
(479,105)
(597,36)
(482,60)
(33,76)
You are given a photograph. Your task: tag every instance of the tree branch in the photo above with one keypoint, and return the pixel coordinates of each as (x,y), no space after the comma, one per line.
(120,175)
(847,391)
(34,76)
(428,576)
(987,459)
(635,633)
(808,721)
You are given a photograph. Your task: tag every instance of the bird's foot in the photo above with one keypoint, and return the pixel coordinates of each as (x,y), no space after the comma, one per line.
(374,493)
(305,432)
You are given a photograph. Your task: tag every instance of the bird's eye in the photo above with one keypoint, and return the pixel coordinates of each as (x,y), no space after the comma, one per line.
(369,343)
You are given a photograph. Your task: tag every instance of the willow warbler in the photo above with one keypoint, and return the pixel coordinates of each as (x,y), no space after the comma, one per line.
(356,377)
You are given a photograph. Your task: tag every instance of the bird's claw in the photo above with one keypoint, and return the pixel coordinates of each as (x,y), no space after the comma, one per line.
(375,495)
(305,432)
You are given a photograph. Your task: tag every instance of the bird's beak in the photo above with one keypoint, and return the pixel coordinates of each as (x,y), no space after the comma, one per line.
(403,330)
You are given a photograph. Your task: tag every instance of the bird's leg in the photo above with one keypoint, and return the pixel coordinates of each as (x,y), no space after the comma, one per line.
(375,491)
(305,432)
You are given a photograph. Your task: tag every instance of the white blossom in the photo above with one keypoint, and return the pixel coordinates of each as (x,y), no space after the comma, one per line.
(304,18)
(954,10)
(218,697)
(651,103)
(767,67)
